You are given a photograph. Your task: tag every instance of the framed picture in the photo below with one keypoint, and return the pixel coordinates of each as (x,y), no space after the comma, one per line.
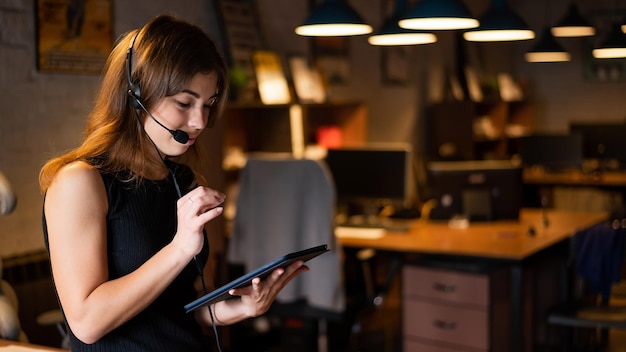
(270,77)
(307,80)
(395,68)
(331,57)
(73,35)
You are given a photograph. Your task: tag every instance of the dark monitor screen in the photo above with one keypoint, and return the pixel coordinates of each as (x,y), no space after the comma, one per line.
(552,151)
(603,141)
(480,190)
(372,173)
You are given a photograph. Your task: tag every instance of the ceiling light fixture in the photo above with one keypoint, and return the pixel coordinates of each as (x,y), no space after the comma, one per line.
(438,14)
(573,24)
(547,49)
(500,23)
(333,18)
(614,46)
(390,33)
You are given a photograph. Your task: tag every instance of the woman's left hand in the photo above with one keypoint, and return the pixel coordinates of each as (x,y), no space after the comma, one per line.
(257,298)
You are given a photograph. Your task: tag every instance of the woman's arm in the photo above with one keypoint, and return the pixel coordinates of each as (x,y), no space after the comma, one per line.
(76,208)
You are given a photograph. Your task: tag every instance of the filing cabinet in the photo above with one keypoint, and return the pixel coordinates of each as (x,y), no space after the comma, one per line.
(448,310)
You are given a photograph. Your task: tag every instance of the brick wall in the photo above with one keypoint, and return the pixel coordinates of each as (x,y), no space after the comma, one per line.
(42,114)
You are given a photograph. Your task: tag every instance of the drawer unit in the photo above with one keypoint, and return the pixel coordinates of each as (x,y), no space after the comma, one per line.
(445,285)
(417,346)
(450,324)
(446,310)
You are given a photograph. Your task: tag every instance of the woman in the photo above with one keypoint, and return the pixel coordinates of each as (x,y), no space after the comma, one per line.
(123,215)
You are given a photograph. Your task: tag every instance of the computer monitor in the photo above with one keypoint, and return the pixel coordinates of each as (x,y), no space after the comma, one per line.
(552,151)
(372,176)
(603,142)
(479,190)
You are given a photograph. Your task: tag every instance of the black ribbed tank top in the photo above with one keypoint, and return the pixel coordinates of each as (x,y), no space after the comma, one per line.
(142,220)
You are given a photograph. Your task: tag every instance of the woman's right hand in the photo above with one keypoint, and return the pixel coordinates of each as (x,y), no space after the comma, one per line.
(195,209)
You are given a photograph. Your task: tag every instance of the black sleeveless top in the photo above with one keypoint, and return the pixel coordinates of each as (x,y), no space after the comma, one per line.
(142,220)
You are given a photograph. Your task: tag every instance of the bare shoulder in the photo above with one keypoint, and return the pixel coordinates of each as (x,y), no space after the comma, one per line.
(77,180)
(76,174)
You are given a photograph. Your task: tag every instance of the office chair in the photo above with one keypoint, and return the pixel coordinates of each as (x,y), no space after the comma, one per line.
(10,327)
(55,317)
(284,205)
(598,257)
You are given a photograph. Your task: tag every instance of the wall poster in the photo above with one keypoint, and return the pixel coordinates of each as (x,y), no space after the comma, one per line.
(73,35)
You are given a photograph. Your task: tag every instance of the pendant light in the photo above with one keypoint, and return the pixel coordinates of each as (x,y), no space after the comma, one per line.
(333,18)
(390,33)
(438,14)
(547,49)
(614,46)
(573,24)
(500,23)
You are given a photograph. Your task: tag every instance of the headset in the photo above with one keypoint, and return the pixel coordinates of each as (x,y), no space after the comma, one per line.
(134,91)
(134,94)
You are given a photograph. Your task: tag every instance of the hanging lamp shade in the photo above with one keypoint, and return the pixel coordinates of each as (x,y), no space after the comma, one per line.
(614,46)
(500,23)
(573,24)
(390,33)
(438,14)
(333,18)
(547,49)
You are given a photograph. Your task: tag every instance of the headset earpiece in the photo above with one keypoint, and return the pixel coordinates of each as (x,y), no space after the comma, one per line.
(134,91)
(134,95)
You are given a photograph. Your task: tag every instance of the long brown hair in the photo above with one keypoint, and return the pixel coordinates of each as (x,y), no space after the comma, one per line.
(167,54)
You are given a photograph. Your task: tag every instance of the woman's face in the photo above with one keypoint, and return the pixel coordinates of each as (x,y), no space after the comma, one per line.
(187,111)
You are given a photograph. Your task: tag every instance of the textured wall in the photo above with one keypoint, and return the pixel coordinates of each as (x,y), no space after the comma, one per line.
(42,114)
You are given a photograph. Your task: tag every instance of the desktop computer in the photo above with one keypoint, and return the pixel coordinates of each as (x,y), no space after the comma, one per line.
(552,152)
(370,178)
(603,144)
(481,190)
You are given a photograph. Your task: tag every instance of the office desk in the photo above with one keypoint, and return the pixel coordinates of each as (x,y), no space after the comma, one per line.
(575,178)
(505,243)
(26,347)
(539,184)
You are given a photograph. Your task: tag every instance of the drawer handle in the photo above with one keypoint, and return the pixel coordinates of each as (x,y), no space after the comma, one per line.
(444,325)
(438,286)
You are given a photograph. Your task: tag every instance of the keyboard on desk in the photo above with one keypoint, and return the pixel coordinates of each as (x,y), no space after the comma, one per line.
(370,230)
(359,232)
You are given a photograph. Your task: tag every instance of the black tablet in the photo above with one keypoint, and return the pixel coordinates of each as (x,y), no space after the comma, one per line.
(221,293)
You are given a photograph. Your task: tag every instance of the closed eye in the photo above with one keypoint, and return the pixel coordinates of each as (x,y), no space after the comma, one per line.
(183,105)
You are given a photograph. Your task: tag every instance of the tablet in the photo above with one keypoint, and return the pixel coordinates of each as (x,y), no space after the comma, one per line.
(221,293)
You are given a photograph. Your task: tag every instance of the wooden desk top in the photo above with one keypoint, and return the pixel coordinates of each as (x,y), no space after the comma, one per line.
(30,347)
(506,240)
(575,178)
